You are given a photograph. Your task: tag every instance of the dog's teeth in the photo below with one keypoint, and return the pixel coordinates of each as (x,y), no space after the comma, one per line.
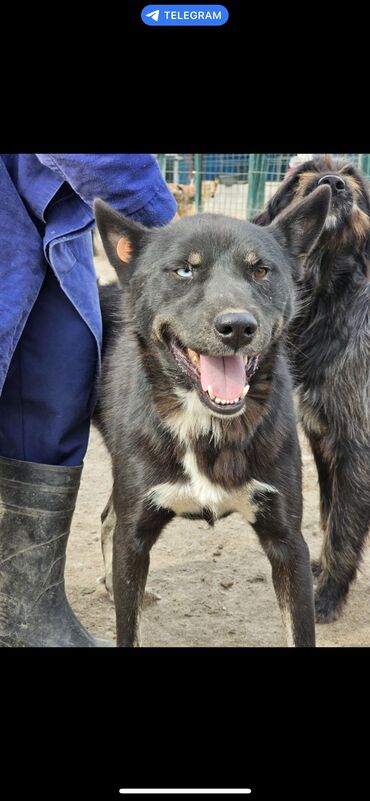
(236,400)
(245,390)
(217,400)
(246,359)
(211,393)
(194,357)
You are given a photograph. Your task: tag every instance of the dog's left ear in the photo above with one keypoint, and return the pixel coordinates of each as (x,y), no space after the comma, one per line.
(123,239)
(299,227)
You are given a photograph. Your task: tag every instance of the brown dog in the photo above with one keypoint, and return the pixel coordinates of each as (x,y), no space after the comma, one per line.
(328,347)
(184,195)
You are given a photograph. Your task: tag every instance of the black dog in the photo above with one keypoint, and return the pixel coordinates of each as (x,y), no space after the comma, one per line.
(198,326)
(329,350)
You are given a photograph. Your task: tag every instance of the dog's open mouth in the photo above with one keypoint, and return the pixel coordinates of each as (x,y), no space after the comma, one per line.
(222,382)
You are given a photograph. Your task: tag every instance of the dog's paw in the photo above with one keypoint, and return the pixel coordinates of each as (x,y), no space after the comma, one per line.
(108,585)
(150,597)
(329,601)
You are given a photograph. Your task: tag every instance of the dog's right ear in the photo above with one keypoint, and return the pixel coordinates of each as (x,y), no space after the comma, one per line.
(280,200)
(299,227)
(123,239)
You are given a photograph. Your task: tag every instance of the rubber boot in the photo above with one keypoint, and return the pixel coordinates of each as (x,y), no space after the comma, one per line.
(36,507)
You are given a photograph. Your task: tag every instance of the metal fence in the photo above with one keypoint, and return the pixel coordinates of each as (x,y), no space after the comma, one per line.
(236,184)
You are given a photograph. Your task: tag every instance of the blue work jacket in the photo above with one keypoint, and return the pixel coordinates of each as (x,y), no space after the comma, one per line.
(46,218)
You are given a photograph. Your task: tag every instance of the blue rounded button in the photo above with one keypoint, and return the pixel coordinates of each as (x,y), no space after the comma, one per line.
(184,15)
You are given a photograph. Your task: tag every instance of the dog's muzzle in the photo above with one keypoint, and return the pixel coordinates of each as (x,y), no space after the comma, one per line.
(222,382)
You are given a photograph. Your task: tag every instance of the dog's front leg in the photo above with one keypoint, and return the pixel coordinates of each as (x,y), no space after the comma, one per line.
(291,570)
(135,532)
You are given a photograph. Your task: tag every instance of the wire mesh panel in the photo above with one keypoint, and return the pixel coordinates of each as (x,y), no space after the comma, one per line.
(235,184)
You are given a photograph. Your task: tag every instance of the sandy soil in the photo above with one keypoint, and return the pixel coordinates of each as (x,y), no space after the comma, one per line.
(215,584)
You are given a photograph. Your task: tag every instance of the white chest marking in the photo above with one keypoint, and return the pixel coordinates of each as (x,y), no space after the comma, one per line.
(197,492)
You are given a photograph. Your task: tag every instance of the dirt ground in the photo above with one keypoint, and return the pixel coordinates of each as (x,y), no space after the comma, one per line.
(215,584)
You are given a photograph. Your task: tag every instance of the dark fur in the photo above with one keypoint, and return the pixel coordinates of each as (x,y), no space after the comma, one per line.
(329,350)
(138,396)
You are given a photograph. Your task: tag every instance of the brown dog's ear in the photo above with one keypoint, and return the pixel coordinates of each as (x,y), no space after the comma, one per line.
(299,227)
(280,200)
(123,239)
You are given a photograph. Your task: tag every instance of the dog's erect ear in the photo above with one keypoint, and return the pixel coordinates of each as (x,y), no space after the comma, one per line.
(299,227)
(280,200)
(123,239)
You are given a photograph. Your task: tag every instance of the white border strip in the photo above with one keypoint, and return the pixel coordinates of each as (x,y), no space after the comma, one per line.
(184,792)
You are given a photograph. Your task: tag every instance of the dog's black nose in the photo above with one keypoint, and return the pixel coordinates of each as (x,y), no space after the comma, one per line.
(334,181)
(236,328)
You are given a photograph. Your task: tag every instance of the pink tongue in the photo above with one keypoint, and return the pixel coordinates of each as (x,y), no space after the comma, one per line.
(226,375)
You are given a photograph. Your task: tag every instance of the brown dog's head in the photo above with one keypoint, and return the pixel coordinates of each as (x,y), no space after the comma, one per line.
(184,195)
(209,188)
(182,192)
(348,222)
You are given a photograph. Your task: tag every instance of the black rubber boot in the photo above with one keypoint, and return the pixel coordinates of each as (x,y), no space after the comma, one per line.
(36,507)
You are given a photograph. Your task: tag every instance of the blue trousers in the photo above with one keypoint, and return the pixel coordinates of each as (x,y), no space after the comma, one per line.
(46,403)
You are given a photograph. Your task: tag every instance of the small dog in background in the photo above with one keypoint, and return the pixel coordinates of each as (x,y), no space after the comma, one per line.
(329,350)
(184,195)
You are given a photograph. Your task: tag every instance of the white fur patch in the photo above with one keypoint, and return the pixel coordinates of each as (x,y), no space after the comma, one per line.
(331,222)
(194,420)
(198,493)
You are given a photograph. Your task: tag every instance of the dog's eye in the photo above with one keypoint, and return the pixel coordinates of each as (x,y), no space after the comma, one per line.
(260,272)
(185,272)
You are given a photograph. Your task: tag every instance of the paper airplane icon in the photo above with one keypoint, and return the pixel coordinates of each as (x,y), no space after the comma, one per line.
(154,15)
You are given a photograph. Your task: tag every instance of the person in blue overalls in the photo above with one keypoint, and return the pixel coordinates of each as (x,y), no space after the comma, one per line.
(50,344)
